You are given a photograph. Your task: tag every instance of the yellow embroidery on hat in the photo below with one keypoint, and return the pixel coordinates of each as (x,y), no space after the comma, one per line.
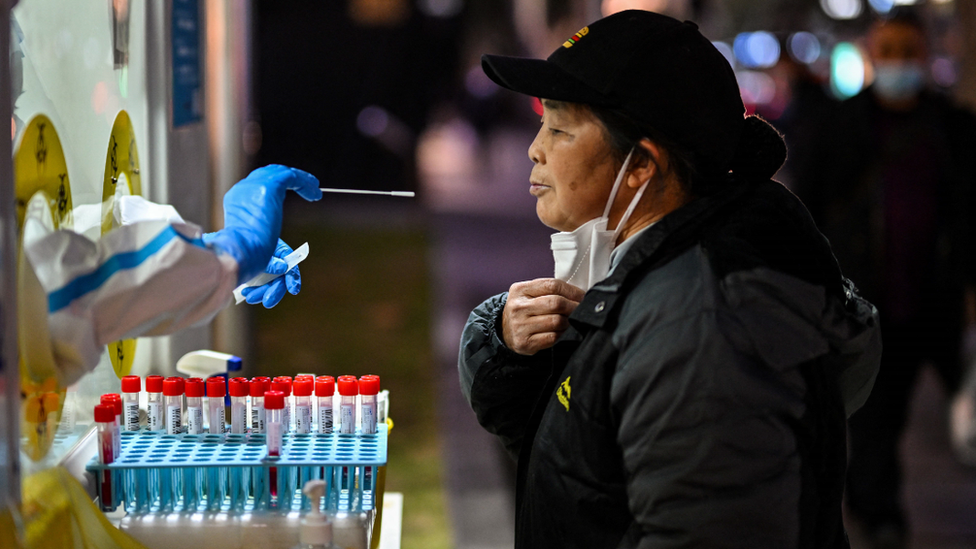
(563,393)
(576,37)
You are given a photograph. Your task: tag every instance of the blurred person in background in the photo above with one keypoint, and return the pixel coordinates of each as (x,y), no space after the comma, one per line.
(894,197)
(684,379)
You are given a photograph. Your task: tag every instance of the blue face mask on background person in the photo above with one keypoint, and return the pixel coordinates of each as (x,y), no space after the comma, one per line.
(898,80)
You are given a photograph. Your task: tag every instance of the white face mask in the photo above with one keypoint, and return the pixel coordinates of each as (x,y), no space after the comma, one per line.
(583,256)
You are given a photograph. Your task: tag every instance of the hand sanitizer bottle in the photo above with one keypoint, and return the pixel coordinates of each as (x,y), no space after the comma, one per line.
(316,529)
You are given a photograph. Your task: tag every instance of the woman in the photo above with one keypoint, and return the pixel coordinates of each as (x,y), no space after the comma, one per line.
(683,380)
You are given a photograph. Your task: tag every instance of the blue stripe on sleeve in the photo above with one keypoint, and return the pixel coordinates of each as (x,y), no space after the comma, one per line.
(80,286)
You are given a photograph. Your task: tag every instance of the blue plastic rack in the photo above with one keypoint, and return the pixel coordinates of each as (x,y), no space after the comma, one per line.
(160,473)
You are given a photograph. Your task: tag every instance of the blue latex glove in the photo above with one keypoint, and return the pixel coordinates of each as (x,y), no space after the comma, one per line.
(252,216)
(271,293)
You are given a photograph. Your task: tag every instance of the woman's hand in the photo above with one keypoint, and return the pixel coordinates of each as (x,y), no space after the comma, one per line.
(537,312)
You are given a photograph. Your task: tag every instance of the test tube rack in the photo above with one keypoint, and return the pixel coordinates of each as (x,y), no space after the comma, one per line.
(232,473)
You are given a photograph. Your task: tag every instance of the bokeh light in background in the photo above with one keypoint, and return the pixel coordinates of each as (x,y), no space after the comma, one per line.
(846,70)
(944,72)
(882,6)
(441,8)
(756,50)
(757,88)
(842,9)
(726,51)
(804,47)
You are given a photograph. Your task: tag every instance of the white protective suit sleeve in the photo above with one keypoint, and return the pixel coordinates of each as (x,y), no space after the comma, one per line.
(143,279)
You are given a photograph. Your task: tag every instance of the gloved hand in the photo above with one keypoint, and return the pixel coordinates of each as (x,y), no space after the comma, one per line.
(272,292)
(252,216)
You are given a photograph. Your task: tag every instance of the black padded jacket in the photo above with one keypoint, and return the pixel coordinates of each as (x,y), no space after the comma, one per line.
(699,398)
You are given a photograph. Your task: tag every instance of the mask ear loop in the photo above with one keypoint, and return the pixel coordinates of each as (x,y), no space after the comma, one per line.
(630,209)
(616,184)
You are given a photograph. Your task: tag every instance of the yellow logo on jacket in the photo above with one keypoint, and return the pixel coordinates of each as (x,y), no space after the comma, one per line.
(563,392)
(576,37)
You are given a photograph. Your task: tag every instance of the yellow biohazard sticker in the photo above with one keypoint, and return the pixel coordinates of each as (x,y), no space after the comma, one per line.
(563,392)
(41,186)
(121,178)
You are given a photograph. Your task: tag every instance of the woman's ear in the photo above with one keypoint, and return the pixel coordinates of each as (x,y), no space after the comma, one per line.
(651,163)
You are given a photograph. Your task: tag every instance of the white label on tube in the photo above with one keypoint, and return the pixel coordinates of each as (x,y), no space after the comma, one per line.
(173,420)
(368,418)
(325,419)
(217,427)
(194,420)
(237,418)
(132,416)
(303,419)
(257,418)
(347,418)
(286,417)
(155,410)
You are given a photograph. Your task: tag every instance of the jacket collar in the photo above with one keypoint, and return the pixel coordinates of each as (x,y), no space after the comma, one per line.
(673,234)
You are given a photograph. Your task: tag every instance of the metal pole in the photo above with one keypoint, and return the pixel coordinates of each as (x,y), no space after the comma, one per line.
(9,366)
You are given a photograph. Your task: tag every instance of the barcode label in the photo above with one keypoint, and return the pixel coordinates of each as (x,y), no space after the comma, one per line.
(155,410)
(237,413)
(217,421)
(173,420)
(303,419)
(132,416)
(194,420)
(347,418)
(368,419)
(325,419)
(257,418)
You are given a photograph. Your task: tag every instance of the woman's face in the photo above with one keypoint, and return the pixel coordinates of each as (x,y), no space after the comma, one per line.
(574,166)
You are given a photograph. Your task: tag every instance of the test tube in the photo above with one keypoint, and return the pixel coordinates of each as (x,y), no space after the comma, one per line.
(303,405)
(257,389)
(173,397)
(324,391)
(369,387)
(116,402)
(238,388)
(131,387)
(274,404)
(216,391)
(283,384)
(348,389)
(194,405)
(105,420)
(154,408)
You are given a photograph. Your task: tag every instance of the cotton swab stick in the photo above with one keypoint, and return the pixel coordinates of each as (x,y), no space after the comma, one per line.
(405,194)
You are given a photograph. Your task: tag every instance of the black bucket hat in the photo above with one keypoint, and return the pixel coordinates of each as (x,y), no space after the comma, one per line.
(660,72)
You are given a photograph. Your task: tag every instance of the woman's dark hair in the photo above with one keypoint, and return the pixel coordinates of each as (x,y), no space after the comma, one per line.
(623,134)
(759,154)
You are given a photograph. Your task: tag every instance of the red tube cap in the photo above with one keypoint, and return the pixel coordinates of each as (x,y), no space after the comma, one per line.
(282,384)
(348,386)
(304,387)
(113,399)
(239,387)
(369,385)
(258,386)
(173,386)
(274,400)
(131,384)
(194,387)
(304,376)
(154,384)
(216,388)
(105,413)
(324,386)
